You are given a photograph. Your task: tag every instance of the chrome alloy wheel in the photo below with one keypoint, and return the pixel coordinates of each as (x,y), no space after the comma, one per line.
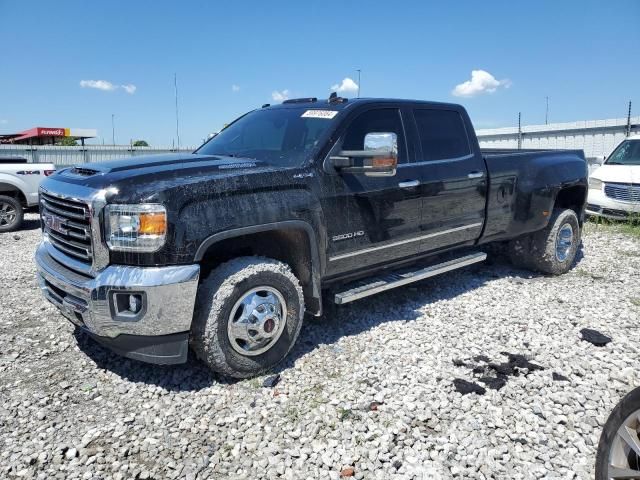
(624,452)
(257,320)
(7,214)
(564,242)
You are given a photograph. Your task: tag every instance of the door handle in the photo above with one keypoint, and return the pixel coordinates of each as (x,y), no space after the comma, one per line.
(476,175)
(409,184)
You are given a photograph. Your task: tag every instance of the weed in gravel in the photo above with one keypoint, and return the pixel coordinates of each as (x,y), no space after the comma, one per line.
(345,413)
(629,227)
(635,301)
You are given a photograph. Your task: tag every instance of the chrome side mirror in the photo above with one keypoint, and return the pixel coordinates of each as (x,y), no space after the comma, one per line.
(378,159)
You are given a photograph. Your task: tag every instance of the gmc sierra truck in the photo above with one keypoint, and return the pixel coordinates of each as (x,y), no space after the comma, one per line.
(226,249)
(19,182)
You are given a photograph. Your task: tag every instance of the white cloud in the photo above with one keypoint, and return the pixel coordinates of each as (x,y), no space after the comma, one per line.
(280,96)
(346,86)
(107,86)
(481,82)
(99,84)
(235,88)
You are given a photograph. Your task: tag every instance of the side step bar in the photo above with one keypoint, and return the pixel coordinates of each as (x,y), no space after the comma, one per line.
(371,286)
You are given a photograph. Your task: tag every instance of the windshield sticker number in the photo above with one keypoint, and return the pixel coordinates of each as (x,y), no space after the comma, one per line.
(326,114)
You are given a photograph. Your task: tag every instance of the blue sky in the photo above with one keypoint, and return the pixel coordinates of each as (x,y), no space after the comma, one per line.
(582,54)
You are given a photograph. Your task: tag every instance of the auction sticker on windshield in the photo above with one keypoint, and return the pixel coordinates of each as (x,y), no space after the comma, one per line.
(328,114)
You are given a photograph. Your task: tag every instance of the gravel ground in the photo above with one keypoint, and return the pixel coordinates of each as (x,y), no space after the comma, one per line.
(370,393)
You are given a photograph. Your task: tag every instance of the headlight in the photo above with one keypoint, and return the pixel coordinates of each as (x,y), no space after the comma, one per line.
(140,228)
(595,184)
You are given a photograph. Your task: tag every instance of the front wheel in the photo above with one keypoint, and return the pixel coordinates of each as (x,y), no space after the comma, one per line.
(551,250)
(248,316)
(619,447)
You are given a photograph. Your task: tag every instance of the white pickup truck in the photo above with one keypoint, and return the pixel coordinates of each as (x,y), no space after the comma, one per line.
(19,182)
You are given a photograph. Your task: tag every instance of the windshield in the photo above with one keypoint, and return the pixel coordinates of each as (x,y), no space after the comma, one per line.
(627,153)
(283,137)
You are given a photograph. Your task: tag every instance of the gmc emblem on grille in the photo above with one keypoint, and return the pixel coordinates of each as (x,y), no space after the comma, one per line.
(55,223)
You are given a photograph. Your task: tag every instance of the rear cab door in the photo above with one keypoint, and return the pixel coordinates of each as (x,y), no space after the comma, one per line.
(454,176)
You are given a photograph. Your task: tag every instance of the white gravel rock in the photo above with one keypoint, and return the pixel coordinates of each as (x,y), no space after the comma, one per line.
(370,389)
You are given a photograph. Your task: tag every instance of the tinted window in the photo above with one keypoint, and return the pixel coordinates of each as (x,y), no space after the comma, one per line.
(385,120)
(279,136)
(442,134)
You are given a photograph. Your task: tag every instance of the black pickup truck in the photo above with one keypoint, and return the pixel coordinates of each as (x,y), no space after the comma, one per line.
(228,248)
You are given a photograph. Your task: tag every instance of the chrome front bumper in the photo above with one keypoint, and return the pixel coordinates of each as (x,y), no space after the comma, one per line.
(169,293)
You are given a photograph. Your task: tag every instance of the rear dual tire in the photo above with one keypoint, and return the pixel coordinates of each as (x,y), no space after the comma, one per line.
(551,250)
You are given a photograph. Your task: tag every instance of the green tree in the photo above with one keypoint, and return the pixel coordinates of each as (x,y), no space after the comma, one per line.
(140,143)
(67,142)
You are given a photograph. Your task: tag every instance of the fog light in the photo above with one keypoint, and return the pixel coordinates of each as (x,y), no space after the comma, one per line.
(127,306)
(135,303)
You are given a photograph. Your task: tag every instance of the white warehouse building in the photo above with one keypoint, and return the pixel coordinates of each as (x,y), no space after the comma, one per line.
(597,138)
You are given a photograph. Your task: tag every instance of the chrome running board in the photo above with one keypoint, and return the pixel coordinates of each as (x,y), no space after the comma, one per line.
(387,281)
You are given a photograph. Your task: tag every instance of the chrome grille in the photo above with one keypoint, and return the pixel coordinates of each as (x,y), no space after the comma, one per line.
(67,225)
(623,192)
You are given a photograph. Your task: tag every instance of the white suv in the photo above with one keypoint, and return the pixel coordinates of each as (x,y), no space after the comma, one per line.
(614,188)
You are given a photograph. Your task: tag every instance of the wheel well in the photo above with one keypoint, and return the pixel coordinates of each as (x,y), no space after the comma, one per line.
(9,190)
(290,246)
(572,198)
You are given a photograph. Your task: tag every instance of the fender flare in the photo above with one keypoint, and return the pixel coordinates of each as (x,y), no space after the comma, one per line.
(283,225)
(17,183)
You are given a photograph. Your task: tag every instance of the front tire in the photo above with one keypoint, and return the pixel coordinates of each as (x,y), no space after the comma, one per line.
(618,450)
(248,316)
(551,250)
(11,214)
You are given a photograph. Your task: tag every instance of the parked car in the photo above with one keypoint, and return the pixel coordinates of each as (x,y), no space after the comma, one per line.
(618,454)
(227,248)
(614,188)
(19,182)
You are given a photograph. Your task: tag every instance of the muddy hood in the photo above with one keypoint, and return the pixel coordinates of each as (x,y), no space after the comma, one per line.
(161,162)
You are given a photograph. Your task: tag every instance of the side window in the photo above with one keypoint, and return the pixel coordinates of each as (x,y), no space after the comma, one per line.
(442,134)
(385,120)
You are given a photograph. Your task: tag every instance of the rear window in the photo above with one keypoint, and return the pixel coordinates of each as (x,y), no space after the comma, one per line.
(442,134)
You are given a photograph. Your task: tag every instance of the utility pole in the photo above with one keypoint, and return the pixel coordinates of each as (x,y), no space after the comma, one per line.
(546,115)
(175,84)
(358,70)
(519,131)
(113,129)
(629,120)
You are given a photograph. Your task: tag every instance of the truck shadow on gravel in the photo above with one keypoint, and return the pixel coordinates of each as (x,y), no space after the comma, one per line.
(403,304)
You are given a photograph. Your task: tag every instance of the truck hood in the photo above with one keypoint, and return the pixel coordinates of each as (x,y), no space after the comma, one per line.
(160,162)
(618,173)
(159,178)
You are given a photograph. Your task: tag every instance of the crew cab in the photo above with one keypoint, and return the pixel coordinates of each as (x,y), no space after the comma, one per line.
(19,182)
(290,206)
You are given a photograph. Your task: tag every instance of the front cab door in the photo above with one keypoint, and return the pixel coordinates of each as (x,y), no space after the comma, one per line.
(372,219)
